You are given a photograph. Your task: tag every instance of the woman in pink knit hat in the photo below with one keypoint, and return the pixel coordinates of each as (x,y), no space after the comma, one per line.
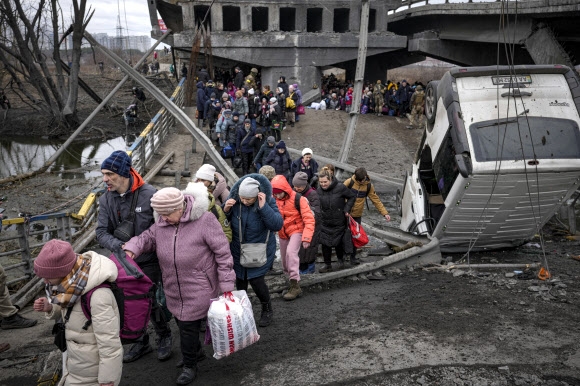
(196,264)
(94,355)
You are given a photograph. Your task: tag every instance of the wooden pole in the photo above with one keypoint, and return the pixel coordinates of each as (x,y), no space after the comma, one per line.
(358,85)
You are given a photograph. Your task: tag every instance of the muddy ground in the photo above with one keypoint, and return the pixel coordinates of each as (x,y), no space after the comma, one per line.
(414,327)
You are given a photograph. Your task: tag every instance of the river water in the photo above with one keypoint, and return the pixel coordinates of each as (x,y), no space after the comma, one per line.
(20,155)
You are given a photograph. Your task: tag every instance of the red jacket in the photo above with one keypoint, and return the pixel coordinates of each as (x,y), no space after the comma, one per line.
(294,221)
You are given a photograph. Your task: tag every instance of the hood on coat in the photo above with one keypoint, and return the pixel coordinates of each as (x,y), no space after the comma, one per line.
(280,182)
(199,84)
(200,205)
(102,269)
(265,186)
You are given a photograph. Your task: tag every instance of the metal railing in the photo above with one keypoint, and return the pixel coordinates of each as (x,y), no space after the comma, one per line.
(23,230)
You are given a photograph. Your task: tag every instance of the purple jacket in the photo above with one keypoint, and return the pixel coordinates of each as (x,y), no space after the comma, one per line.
(195,259)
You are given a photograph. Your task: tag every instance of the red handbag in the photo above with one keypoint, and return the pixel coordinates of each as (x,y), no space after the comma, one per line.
(359,236)
(300,110)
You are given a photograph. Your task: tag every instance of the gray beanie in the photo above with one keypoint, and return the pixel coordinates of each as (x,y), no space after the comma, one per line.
(271,139)
(249,188)
(300,179)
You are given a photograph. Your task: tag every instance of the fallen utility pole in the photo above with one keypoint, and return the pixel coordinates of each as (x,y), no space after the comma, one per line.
(358,85)
(487,266)
(83,125)
(176,111)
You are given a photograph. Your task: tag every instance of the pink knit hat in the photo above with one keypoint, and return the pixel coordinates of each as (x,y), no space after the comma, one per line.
(167,201)
(55,260)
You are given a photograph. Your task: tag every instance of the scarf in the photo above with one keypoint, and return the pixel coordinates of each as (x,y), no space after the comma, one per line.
(70,289)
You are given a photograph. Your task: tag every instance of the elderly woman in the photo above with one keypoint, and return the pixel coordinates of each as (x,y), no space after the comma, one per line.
(254,218)
(95,355)
(214,182)
(196,264)
(336,201)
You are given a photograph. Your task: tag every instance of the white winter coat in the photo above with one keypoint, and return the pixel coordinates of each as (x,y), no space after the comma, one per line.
(96,355)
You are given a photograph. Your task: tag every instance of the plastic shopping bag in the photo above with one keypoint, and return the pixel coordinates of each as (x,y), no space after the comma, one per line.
(359,236)
(231,322)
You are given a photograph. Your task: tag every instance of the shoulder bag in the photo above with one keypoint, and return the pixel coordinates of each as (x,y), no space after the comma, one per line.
(252,255)
(126,228)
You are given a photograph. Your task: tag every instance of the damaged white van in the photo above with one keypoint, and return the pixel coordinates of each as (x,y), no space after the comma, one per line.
(499,155)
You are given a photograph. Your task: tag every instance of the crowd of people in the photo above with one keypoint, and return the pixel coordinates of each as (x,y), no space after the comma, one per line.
(394,99)
(193,245)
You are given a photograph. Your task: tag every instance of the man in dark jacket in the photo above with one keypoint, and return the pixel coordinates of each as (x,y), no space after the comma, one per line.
(239,78)
(304,164)
(183,71)
(123,185)
(244,135)
(283,85)
(404,96)
(256,142)
(280,160)
(264,152)
(210,88)
(201,99)
(203,75)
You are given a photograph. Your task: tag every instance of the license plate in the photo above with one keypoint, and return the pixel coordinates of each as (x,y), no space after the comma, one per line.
(526,79)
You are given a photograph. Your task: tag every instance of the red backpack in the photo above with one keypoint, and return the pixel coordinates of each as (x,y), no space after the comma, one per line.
(134,296)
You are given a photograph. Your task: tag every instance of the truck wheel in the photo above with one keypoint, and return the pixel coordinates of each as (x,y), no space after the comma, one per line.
(431,101)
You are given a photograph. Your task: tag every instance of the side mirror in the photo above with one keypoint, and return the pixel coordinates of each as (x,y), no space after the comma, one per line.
(464,164)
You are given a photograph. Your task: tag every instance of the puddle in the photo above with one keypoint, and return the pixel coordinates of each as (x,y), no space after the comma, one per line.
(21,155)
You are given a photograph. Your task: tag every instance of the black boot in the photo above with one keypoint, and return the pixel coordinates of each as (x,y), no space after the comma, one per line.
(267,315)
(187,375)
(16,321)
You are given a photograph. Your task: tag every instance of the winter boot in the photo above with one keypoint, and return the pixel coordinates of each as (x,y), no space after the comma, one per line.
(16,321)
(188,374)
(354,260)
(340,264)
(267,315)
(311,268)
(294,291)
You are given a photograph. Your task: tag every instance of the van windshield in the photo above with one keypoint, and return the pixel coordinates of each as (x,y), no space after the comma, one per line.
(513,139)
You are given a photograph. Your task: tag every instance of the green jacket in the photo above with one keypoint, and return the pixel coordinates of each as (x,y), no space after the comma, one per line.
(221,216)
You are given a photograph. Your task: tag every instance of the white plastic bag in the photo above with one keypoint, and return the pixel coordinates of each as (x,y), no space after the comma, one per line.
(231,322)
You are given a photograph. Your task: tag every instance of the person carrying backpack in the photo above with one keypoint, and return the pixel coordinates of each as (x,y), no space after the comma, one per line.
(360,184)
(183,225)
(95,355)
(297,231)
(127,191)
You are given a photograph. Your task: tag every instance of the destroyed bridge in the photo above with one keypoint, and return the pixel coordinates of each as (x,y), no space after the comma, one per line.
(301,38)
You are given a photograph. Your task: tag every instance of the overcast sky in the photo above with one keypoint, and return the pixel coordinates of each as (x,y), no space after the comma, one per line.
(134,16)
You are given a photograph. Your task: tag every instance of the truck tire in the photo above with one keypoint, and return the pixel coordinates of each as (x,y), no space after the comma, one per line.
(431,101)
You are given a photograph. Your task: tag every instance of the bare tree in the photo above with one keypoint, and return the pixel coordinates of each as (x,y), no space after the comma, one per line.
(48,89)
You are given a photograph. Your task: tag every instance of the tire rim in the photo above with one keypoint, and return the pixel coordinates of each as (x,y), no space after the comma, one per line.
(430,103)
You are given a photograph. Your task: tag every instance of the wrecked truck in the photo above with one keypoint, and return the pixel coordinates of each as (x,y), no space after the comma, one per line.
(499,155)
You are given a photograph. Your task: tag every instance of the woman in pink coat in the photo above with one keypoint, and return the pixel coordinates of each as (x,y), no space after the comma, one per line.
(196,264)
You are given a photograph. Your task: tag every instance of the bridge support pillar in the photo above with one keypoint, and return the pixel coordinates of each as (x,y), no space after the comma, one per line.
(544,48)
(274,17)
